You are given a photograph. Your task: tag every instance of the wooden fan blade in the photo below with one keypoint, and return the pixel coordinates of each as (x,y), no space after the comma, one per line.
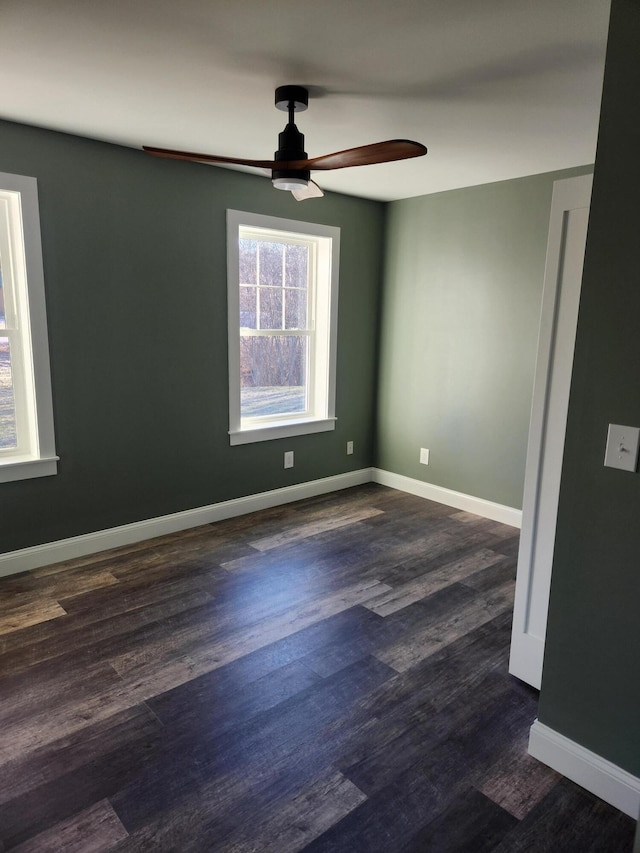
(312,190)
(364,155)
(367,155)
(209,158)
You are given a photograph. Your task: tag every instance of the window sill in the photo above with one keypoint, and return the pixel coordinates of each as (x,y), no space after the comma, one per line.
(282,429)
(26,467)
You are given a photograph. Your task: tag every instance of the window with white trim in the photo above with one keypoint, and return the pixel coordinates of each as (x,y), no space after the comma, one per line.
(283,303)
(26,413)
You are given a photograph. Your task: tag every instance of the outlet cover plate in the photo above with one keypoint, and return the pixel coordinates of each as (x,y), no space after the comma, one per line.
(288,459)
(424,456)
(622,447)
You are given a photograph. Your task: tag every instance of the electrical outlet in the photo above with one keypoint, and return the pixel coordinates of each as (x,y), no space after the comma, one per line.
(424,456)
(288,459)
(349,448)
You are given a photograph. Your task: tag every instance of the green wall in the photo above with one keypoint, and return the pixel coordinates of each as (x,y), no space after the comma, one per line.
(135,271)
(461,310)
(591,678)
(134,255)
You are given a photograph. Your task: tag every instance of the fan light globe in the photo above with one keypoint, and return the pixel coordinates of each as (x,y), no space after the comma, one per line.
(289,183)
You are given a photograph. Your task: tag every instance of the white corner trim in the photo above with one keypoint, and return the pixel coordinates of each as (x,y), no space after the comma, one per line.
(599,776)
(525,656)
(478,506)
(91,543)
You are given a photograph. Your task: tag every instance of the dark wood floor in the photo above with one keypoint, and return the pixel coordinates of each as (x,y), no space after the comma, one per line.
(326,676)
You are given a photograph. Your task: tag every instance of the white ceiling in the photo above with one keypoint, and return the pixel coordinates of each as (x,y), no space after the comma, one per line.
(495,88)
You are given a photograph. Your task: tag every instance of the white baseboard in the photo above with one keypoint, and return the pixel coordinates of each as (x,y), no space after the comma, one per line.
(115,537)
(478,506)
(604,779)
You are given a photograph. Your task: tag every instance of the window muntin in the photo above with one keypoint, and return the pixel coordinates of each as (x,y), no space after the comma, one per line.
(26,416)
(282,326)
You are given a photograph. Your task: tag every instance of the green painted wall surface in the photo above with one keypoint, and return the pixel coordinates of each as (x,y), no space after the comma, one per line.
(591,678)
(135,271)
(461,310)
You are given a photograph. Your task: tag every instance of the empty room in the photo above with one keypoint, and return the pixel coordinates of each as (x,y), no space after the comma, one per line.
(318,426)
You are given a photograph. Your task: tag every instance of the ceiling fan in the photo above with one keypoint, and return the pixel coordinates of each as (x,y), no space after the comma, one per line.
(291,168)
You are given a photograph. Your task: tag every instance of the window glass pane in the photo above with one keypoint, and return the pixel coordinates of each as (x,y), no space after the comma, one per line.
(8,437)
(295,309)
(271,263)
(248,299)
(270,308)
(273,375)
(248,261)
(297,259)
(3,319)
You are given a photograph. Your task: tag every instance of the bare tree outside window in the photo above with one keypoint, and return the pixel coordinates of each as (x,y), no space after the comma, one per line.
(274,306)
(8,436)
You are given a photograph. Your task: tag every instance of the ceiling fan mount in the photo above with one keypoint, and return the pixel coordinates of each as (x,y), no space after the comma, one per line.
(291,99)
(291,167)
(296,95)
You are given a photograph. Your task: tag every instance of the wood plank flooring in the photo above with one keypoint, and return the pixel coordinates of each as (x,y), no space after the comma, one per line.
(329,677)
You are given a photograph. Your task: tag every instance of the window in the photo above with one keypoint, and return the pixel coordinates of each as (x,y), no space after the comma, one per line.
(26,416)
(283,301)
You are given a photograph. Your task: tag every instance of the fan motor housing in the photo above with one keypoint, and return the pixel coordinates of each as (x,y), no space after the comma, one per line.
(291,148)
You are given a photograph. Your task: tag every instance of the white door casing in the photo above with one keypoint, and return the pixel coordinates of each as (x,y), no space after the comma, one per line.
(558,321)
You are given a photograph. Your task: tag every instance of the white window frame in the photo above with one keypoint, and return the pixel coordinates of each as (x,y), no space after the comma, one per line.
(320,416)
(23,286)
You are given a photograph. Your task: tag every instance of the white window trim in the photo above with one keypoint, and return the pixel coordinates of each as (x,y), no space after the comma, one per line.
(270,428)
(35,455)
